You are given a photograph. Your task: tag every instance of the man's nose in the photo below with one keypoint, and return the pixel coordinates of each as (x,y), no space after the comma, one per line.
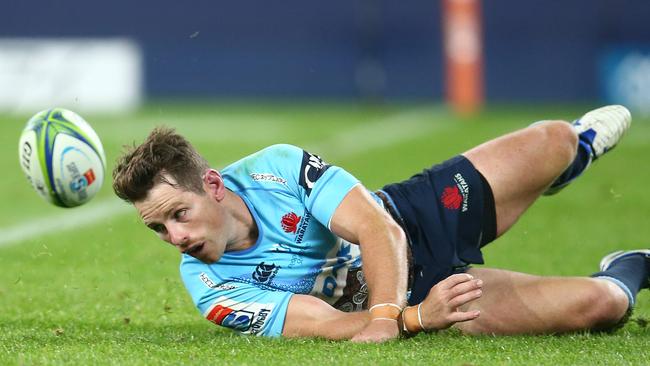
(178,238)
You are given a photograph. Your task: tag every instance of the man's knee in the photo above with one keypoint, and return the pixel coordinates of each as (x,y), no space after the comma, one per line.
(559,139)
(604,305)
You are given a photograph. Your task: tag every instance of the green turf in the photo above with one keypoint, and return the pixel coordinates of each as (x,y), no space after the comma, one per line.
(109,292)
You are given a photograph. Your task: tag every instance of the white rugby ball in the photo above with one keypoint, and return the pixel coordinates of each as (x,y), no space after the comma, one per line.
(62,157)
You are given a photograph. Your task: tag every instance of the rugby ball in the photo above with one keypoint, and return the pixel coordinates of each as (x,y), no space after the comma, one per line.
(62,157)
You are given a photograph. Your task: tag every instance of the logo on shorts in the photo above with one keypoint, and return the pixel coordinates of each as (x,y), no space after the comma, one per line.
(265,272)
(456,197)
(451,198)
(290,222)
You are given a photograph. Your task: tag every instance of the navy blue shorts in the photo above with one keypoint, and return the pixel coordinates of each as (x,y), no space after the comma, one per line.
(448,214)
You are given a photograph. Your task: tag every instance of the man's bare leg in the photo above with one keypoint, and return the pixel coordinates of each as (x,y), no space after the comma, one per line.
(518,303)
(521,165)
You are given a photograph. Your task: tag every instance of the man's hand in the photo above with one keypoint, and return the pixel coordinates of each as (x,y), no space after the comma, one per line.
(376,331)
(439,310)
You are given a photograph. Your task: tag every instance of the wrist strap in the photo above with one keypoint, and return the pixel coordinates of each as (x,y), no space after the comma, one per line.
(420,317)
(385,311)
(391,319)
(412,319)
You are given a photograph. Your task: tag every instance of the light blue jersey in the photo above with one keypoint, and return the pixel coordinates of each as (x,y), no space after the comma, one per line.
(292,196)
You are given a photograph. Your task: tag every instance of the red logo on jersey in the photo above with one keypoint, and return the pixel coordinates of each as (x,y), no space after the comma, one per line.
(241,320)
(218,313)
(451,198)
(290,222)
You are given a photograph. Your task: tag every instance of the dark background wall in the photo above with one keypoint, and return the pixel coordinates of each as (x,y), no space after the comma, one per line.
(534,50)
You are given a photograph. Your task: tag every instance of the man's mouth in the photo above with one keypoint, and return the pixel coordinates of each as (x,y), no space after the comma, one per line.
(195,249)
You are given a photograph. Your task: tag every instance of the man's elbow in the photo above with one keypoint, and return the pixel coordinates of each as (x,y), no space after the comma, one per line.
(396,231)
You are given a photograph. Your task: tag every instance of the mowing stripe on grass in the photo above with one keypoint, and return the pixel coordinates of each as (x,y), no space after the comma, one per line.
(377,134)
(380,133)
(71,219)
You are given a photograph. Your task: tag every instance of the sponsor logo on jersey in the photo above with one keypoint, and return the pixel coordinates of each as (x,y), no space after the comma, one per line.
(332,279)
(304,224)
(260,320)
(281,248)
(241,320)
(265,273)
(267,177)
(211,284)
(242,316)
(290,222)
(311,168)
(456,197)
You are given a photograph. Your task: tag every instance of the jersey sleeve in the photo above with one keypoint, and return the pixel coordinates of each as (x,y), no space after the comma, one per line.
(242,307)
(321,187)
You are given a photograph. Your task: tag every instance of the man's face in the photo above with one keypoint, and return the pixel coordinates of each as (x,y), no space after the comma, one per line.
(194,223)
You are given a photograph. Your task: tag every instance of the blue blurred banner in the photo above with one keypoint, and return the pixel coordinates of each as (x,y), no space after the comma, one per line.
(625,77)
(534,50)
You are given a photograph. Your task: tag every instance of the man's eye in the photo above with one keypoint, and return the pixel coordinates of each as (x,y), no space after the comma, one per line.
(180,214)
(158,228)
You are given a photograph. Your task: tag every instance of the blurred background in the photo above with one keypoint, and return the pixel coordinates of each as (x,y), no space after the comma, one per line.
(381,88)
(113,56)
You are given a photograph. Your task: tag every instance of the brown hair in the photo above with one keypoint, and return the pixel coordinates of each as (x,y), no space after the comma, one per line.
(163,154)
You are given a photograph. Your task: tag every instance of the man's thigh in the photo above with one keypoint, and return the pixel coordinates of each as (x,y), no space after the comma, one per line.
(519,303)
(520,166)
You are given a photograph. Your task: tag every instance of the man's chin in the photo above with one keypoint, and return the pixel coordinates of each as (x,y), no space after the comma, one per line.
(207,260)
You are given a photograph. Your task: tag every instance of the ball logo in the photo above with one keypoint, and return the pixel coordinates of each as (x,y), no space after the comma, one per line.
(26,156)
(83,181)
(290,222)
(26,161)
(451,198)
(90,176)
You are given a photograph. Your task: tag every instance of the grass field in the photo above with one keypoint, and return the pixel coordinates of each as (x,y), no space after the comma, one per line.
(92,285)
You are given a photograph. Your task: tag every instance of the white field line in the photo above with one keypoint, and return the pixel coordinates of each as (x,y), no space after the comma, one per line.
(381,133)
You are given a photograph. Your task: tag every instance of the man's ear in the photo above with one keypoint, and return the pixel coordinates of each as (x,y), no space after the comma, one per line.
(213,183)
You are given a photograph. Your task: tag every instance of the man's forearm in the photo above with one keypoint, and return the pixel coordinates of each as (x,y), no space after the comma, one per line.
(383,251)
(359,219)
(308,316)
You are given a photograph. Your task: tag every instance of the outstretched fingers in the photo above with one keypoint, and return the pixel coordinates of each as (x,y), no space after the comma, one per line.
(463,316)
(454,280)
(465,292)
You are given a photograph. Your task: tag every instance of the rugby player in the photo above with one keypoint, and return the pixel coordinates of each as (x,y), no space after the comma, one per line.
(280,243)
